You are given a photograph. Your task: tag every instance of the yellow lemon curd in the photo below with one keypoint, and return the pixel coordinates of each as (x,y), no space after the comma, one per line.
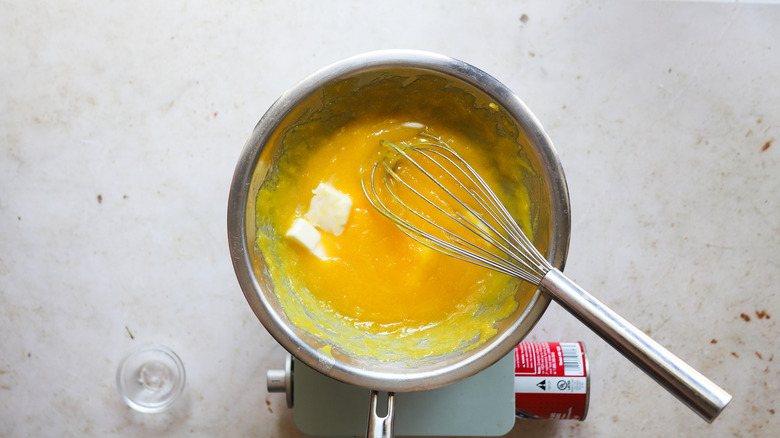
(379,294)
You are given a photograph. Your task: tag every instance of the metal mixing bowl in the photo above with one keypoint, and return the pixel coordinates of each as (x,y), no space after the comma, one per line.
(327,100)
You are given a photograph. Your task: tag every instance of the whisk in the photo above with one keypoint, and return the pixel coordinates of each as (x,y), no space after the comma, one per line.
(434,196)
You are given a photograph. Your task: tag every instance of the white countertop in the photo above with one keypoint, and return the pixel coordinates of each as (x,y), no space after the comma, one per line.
(122,123)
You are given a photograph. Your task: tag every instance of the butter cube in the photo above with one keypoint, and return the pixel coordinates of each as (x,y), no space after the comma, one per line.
(329,209)
(303,232)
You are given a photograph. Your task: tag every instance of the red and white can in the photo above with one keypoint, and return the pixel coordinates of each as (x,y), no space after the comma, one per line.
(551,381)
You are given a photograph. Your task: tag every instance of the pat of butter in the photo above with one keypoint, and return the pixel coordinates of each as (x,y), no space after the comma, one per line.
(329,209)
(303,232)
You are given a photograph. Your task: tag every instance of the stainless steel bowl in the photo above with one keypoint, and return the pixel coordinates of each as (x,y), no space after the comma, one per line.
(329,95)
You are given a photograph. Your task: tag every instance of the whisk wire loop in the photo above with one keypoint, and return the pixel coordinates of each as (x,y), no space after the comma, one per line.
(508,250)
(455,216)
(482,257)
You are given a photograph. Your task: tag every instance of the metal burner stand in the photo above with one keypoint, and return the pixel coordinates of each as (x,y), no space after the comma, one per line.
(482,405)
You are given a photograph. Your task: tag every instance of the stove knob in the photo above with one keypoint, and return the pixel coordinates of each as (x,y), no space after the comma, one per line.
(278,380)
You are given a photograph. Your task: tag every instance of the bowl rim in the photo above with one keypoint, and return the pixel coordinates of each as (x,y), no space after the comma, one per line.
(411,379)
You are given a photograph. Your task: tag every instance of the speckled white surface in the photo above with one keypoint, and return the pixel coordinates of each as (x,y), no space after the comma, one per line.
(122,122)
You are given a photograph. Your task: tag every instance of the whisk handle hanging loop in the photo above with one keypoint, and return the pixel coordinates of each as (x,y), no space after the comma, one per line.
(688,385)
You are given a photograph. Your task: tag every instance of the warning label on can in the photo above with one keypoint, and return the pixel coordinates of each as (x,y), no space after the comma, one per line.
(551,380)
(551,385)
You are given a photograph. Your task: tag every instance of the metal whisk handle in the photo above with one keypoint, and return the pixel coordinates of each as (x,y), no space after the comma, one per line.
(688,385)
